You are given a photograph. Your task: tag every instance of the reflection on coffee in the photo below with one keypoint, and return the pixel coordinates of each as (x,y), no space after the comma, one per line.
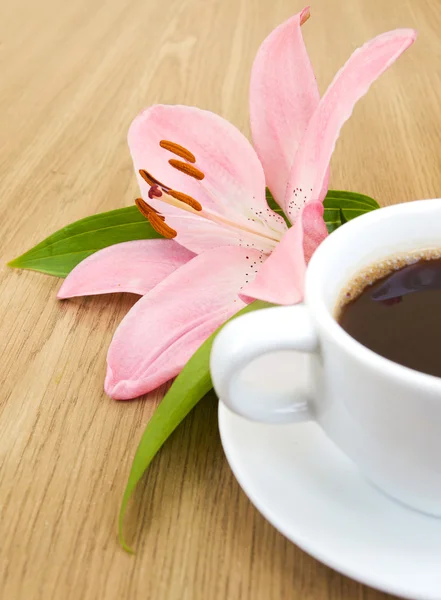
(394,308)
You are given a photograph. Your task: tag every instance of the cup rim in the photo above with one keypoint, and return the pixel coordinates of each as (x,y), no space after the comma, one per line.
(323,315)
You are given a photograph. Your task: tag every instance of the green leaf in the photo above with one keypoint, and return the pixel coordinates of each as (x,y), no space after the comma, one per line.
(343,219)
(62,251)
(344,199)
(275,207)
(340,207)
(190,386)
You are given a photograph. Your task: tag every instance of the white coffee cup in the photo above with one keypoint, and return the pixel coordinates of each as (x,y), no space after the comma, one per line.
(384,416)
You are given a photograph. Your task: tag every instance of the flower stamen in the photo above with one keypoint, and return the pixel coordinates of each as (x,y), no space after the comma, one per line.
(159,225)
(148,177)
(178,150)
(156,220)
(189,204)
(187,169)
(186,199)
(154,192)
(144,208)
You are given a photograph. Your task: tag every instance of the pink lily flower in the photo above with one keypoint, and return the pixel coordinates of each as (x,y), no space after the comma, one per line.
(203,186)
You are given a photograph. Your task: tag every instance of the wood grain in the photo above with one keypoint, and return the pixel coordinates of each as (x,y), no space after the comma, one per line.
(73,75)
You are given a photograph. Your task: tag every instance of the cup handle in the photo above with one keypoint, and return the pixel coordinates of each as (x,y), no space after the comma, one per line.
(253,335)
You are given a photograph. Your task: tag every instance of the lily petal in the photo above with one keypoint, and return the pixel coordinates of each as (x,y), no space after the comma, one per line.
(283,97)
(281,278)
(165,327)
(134,267)
(309,171)
(233,184)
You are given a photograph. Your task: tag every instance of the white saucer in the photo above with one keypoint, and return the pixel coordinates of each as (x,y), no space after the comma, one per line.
(314,495)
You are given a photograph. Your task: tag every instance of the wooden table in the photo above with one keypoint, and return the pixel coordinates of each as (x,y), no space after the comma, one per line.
(73,74)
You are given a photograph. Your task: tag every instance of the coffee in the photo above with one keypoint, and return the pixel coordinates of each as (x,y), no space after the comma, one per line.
(394,308)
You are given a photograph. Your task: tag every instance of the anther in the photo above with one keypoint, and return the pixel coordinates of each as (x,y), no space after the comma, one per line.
(178,150)
(144,208)
(150,179)
(185,199)
(158,223)
(187,169)
(156,220)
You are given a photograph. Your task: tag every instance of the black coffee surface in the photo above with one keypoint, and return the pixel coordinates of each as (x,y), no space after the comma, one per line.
(399,316)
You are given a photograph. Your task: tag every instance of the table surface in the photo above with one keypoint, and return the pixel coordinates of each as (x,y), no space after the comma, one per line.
(73,75)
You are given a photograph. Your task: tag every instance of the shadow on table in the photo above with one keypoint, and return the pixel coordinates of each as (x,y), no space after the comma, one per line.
(190,519)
